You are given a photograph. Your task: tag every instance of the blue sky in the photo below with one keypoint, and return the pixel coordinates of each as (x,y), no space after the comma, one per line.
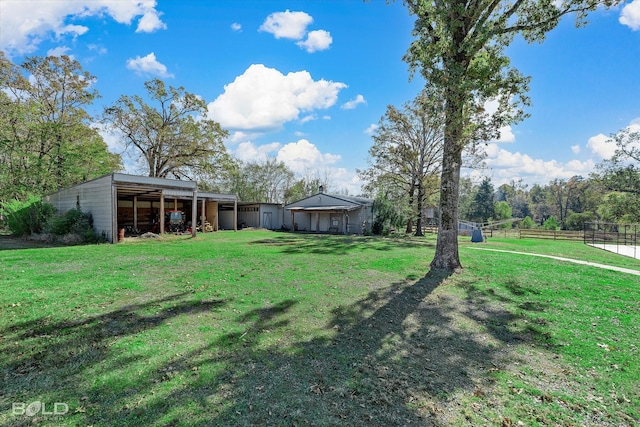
(307,81)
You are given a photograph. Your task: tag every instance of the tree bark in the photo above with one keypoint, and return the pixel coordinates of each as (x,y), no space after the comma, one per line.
(419,209)
(446,256)
(409,228)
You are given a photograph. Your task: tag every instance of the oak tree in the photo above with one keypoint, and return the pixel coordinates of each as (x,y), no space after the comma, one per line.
(460,49)
(406,154)
(174,137)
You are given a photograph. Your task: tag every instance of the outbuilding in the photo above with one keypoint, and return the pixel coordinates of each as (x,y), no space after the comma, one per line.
(138,204)
(329,213)
(260,215)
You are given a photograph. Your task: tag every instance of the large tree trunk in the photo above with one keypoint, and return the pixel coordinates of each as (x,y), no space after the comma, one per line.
(447,257)
(419,209)
(409,229)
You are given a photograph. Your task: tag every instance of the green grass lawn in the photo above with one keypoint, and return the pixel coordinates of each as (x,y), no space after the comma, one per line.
(265,328)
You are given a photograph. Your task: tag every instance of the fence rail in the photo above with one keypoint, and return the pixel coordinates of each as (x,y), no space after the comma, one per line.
(551,234)
(610,233)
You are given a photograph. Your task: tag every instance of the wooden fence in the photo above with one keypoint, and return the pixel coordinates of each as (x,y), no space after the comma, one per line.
(551,234)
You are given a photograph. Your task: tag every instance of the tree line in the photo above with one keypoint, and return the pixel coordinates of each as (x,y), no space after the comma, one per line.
(559,204)
(405,166)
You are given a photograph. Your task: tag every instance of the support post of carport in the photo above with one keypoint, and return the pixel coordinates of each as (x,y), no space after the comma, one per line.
(235,215)
(194,213)
(202,215)
(161,212)
(114,214)
(135,214)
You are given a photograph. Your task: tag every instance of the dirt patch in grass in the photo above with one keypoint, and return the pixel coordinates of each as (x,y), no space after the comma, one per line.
(8,242)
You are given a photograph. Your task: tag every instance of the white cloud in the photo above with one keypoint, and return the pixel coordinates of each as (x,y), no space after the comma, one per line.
(75,30)
(289,25)
(316,40)
(150,22)
(236,27)
(506,166)
(304,159)
(303,156)
(112,139)
(371,129)
(59,51)
(506,135)
(263,98)
(630,15)
(248,152)
(350,105)
(308,118)
(148,65)
(602,146)
(24,24)
(239,136)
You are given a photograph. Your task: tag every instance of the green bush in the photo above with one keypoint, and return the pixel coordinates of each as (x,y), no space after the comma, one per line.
(28,217)
(527,223)
(386,217)
(576,221)
(551,224)
(74,222)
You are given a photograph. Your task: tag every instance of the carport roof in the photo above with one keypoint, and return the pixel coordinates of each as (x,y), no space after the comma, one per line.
(135,185)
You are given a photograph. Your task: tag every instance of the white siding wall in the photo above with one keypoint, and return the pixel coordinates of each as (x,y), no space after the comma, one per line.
(307,220)
(94,197)
(275,213)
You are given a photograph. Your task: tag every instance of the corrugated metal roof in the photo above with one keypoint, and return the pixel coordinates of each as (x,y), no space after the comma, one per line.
(152,181)
(217,196)
(323,208)
(360,201)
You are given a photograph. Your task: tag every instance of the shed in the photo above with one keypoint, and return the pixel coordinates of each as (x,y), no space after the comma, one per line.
(138,203)
(329,213)
(260,215)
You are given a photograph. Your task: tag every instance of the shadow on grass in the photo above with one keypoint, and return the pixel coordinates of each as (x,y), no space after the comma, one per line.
(46,357)
(386,359)
(332,245)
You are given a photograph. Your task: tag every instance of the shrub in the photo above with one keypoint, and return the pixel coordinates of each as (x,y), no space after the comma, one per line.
(74,223)
(386,217)
(576,221)
(551,224)
(28,217)
(527,223)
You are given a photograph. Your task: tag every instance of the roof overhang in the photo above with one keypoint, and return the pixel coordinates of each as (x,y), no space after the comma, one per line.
(323,208)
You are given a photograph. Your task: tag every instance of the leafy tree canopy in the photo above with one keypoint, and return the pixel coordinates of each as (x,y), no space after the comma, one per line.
(174,138)
(46,136)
